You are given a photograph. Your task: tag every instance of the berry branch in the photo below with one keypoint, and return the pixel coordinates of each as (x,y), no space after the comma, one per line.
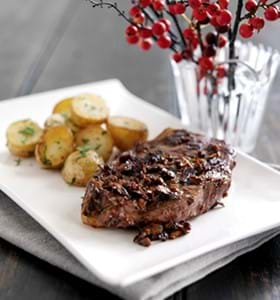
(233,36)
(208,25)
(109,5)
(175,20)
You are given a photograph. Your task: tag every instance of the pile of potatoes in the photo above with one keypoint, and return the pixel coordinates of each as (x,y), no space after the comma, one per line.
(78,137)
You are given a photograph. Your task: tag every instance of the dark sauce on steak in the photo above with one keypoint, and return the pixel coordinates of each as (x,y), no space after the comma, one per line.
(159,185)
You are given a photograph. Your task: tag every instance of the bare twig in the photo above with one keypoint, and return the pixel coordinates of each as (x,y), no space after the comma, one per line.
(114,6)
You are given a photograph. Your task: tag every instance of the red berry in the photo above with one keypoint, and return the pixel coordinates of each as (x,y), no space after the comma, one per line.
(206,63)
(209,51)
(271,13)
(224,17)
(146,44)
(211,38)
(166,22)
(223,3)
(139,18)
(187,54)
(172,8)
(134,10)
(145,32)
(246,30)
(177,57)
(221,71)
(222,41)
(205,21)
(200,13)
(251,5)
(180,8)
(194,43)
(164,41)
(189,33)
(145,3)
(213,21)
(213,9)
(158,5)
(223,29)
(133,39)
(257,23)
(195,3)
(131,30)
(158,28)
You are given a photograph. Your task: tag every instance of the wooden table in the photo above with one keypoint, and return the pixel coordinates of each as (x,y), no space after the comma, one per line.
(52,44)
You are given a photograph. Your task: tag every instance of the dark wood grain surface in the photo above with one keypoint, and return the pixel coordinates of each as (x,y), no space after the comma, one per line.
(52,44)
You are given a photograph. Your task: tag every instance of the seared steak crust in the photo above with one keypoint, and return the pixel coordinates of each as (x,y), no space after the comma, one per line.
(159,185)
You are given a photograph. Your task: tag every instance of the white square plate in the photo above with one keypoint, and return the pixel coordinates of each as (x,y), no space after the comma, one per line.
(252,206)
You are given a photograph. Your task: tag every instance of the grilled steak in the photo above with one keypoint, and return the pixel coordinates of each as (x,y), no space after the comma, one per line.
(159,185)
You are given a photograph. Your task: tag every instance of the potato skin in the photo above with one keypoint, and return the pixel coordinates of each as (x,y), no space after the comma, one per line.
(55,145)
(22,137)
(87,109)
(80,166)
(126,132)
(63,107)
(97,138)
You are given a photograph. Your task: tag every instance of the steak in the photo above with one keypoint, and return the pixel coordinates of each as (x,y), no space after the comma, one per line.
(159,185)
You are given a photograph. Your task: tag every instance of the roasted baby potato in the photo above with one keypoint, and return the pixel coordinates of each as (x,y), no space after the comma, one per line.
(126,132)
(63,107)
(97,138)
(80,166)
(22,137)
(88,109)
(55,120)
(54,147)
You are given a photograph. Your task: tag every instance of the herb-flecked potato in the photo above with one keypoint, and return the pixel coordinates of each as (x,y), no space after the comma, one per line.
(97,138)
(22,137)
(63,108)
(126,132)
(80,166)
(55,120)
(54,147)
(88,109)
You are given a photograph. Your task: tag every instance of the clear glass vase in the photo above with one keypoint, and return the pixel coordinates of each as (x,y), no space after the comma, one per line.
(232,111)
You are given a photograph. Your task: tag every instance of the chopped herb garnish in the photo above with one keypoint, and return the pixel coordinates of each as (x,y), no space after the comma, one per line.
(27,131)
(18,161)
(84,150)
(64,115)
(85,141)
(46,161)
(58,142)
(97,147)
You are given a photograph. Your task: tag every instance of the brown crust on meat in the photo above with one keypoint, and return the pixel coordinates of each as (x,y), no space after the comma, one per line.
(160,184)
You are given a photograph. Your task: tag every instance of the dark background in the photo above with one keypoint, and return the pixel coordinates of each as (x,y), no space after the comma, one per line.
(52,44)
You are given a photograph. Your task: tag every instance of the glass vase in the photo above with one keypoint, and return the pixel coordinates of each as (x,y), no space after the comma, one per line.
(233,109)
